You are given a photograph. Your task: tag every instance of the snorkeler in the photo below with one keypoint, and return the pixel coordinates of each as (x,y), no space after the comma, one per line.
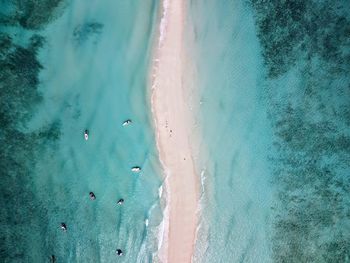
(136,169)
(86,135)
(120,201)
(127,122)
(63,226)
(119,252)
(92,196)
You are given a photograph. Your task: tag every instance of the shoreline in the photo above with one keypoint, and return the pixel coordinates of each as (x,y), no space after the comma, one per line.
(172,119)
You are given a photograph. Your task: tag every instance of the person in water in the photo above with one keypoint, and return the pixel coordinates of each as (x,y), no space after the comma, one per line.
(119,252)
(86,135)
(120,201)
(53,258)
(63,226)
(127,122)
(92,196)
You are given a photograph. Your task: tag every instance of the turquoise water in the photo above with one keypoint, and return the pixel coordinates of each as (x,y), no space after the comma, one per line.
(274,85)
(67,67)
(236,134)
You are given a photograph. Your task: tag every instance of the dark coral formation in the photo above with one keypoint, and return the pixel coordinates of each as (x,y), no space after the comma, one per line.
(291,29)
(30,14)
(21,210)
(308,42)
(85,31)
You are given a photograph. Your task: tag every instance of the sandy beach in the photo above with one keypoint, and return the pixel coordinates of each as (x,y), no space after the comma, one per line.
(173,122)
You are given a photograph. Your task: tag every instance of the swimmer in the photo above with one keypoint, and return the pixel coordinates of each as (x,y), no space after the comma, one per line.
(86,135)
(119,252)
(63,226)
(136,169)
(120,201)
(53,258)
(92,196)
(127,122)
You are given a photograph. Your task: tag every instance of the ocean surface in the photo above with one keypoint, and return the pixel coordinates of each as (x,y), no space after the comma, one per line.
(67,66)
(274,86)
(274,123)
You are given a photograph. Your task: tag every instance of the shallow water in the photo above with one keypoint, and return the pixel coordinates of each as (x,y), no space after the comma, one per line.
(307,86)
(236,136)
(274,85)
(87,69)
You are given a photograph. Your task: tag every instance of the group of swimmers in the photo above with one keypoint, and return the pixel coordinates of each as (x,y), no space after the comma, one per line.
(119,252)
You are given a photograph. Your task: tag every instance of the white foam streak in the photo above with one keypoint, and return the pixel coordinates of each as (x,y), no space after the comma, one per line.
(163,22)
(164,195)
(202,225)
(164,226)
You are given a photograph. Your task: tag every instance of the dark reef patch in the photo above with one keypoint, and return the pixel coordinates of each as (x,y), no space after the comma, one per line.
(309,42)
(87,31)
(22,212)
(290,29)
(30,14)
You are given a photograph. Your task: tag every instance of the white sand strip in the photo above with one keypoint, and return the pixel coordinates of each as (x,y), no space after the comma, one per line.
(173,121)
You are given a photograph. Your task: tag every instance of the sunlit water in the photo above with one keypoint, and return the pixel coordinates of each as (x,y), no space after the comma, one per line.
(90,72)
(274,119)
(274,84)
